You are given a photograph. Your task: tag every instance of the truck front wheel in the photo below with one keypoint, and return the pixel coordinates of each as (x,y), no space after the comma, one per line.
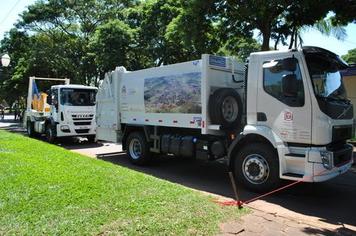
(30,129)
(50,134)
(91,139)
(257,168)
(138,148)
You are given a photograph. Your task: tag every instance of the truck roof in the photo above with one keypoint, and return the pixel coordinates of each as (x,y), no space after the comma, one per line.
(274,51)
(74,86)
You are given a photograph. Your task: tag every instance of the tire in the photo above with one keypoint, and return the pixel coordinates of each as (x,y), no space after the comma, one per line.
(225,108)
(256,166)
(30,129)
(91,139)
(138,148)
(50,134)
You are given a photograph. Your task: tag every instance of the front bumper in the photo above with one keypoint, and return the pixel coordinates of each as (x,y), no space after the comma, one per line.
(70,131)
(336,162)
(323,175)
(316,164)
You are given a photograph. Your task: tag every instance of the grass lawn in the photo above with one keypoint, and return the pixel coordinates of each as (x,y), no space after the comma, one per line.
(46,190)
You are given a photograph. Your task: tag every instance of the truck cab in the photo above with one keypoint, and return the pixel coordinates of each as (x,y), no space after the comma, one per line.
(64,111)
(296,104)
(73,110)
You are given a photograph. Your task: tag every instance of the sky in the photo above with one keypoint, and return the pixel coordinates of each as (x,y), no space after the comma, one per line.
(10,9)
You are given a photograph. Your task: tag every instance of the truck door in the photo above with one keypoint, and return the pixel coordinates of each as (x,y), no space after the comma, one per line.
(54,104)
(283,99)
(107,109)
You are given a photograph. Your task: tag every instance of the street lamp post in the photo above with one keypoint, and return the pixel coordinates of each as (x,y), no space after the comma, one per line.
(5,60)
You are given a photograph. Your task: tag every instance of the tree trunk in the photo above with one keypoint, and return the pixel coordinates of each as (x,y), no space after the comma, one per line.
(266,35)
(277,41)
(292,38)
(296,39)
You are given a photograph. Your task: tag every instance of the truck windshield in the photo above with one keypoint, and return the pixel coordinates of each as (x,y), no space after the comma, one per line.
(326,77)
(77,97)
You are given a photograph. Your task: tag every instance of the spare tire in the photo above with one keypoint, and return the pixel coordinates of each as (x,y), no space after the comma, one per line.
(225,108)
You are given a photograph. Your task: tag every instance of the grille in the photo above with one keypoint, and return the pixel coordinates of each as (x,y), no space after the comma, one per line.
(342,132)
(82,123)
(343,156)
(82,131)
(82,117)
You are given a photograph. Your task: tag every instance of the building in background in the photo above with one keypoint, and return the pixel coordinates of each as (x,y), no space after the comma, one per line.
(349,76)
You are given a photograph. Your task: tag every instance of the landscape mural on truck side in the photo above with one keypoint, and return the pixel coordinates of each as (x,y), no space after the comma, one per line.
(179,93)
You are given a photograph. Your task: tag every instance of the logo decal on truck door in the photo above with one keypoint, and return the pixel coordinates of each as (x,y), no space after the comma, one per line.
(288,116)
(123,90)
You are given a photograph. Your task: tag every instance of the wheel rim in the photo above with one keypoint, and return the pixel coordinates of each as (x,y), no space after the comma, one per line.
(135,149)
(230,109)
(255,169)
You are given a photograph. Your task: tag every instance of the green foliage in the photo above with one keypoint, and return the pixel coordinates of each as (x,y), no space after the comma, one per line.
(255,14)
(350,57)
(155,17)
(111,44)
(241,48)
(344,12)
(275,19)
(83,39)
(48,190)
(194,29)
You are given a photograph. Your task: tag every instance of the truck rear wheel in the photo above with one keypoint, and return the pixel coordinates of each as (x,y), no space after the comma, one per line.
(138,148)
(30,129)
(225,108)
(50,134)
(256,167)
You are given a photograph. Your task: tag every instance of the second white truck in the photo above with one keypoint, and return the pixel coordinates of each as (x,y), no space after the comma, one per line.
(68,110)
(284,115)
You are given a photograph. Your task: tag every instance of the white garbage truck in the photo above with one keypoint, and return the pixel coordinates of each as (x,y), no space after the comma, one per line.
(282,115)
(66,110)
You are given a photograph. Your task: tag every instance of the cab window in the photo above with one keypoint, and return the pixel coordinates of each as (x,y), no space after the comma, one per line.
(274,76)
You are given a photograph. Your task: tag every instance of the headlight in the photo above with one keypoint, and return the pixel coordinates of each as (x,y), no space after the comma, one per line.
(64,127)
(326,158)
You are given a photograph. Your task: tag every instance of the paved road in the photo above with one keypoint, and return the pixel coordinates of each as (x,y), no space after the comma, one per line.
(8,121)
(324,207)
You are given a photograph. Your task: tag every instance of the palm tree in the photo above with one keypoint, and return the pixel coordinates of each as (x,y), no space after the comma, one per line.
(324,26)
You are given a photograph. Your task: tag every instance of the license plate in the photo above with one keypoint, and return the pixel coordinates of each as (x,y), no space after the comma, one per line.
(83,127)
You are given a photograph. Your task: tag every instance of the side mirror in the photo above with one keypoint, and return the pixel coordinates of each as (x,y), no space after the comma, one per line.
(290,85)
(55,103)
(49,99)
(290,64)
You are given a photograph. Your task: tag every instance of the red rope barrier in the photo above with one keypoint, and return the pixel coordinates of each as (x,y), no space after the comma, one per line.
(240,203)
